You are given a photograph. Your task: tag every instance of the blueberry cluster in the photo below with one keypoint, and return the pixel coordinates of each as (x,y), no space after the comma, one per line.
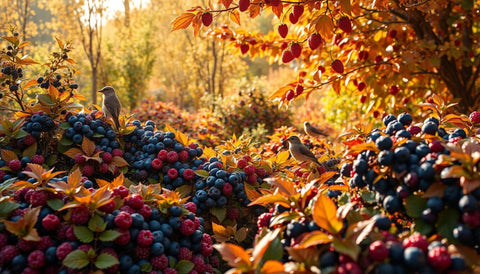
(38,123)
(160,157)
(219,187)
(409,159)
(81,126)
(13,74)
(55,82)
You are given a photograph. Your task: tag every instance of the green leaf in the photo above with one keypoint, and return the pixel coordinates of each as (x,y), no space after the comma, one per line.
(83,233)
(66,142)
(20,134)
(96,224)
(274,251)
(219,213)
(447,220)
(55,204)
(65,125)
(202,173)
(467,4)
(7,207)
(105,260)
(109,235)
(171,261)
(97,135)
(346,247)
(51,160)
(415,204)
(77,259)
(422,227)
(30,151)
(44,99)
(184,266)
(368,196)
(146,267)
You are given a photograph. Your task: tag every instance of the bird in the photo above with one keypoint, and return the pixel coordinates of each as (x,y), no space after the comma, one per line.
(312,131)
(111,104)
(299,151)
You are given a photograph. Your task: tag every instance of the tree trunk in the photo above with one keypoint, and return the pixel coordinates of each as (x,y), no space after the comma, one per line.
(94,85)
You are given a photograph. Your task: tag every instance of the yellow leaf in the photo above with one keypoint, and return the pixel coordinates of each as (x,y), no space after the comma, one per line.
(119,161)
(53,92)
(8,155)
(271,199)
(314,238)
(235,16)
(324,26)
(88,147)
(235,255)
(30,83)
(220,230)
(182,21)
(282,157)
(346,6)
(59,42)
(325,214)
(273,267)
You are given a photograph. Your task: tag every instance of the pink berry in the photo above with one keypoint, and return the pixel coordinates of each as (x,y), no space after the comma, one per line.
(38,159)
(187,227)
(183,156)
(475,117)
(145,238)
(135,201)
(145,211)
(63,250)
(159,262)
(172,173)
(15,165)
(378,251)
(80,215)
(36,259)
(123,220)
(439,258)
(188,174)
(172,156)
(191,206)
(51,222)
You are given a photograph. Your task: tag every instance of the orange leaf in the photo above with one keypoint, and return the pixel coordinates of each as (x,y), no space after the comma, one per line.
(24,44)
(252,194)
(324,26)
(59,42)
(119,161)
(324,177)
(24,228)
(277,10)
(285,187)
(273,267)
(325,214)
(346,6)
(8,155)
(72,152)
(314,238)
(235,16)
(88,147)
(227,3)
(30,83)
(182,21)
(262,245)
(435,190)
(271,199)
(26,61)
(53,92)
(235,255)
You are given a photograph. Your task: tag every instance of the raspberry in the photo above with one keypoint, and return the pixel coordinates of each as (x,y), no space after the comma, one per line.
(206,249)
(214,261)
(261,172)
(7,253)
(19,212)
(88,170)
(110,251)
(298,10)
(123,220)
(191,206)
(117,152)
(2,174)
(227,189)
(414,130)
(172,173)
(345,24)
(135,201)
(70,234)
(207,239)
(63,250)
(188,227)
(436,146)
(103,168)
(107,157)
(283,30)
(193,271)
(36,259)
(108,207)
(145,211)
(416,240)
(80,215)
(85,247)
(337,66)
(199,263)
(30,270)
(185,254)
(25,246)
(62,231)
(121,192)
(196,221)
(244,48)
(183,156)
(162,155)
(207,19)
(172,157)
(124,238)
(378,251)
(296,49)
(38,198)
(233,213)
(249,170)
(3,240)
(79,159)
(170,271)
(127,209)
(38,159)
(157,164)
(188,174)
(142,253)
(145,238)
(44,243)
(242,163)
(287,56)
(264,220)
(208,268)
(29,140)
(252,179)
(439,258)
(20,193)
(314,41)
(159,262)
(15,165)
(475,117)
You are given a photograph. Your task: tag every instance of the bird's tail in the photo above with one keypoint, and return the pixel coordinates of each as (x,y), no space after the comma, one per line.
(117,123)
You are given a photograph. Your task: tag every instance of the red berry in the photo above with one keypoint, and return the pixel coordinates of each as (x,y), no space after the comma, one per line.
(378,251)
(121,191)
(172,173)
(79,158)
(475,117)
(38,198)
(439,258)
(185,254)
(414,130)
(36,259)
(244,48)
(103,168)
(88,170)
(29,140)
(108,207)
(207,239)
(25,246)
(183,156)
(124,237)
(261,172)
(293,19)
(206,249)
(80,215)
(170,270)
(436,146)
(51,222)
(134,201)
(38,159)
(107,157)
(123,220)
(3,240)
(298,10)
(299,90)
(361,86)
(127,209)
(345,24)
(283,30)
(314,41)
(145,238)
(243,5)
(117,152)
(159,262)
(162,155)
(337,66)
(296,49)
(392,33)
(63,250)
(242,163)
(188,227)
(145,211)
(233,213)
(85,247)
(199,263)
(363,55)
(416,240)
(471,219)
(207,19)
(264,220)
(394,90)
(249,170)
(363,99)
(252,179)
(15,165)
(172,157)
(227,189)
(157,164)
(290,95)
(188,174)
(287,56)
(378,59)
(44,243)
(142,252)
(191,206)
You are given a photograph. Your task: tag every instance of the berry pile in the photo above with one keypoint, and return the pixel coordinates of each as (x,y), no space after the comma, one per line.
(79,126)
(38,123)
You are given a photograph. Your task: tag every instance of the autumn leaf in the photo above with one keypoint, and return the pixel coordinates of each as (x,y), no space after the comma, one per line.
(325,214)
(24,227)
(271,199)
(314,238)
(182,21)
(234,255)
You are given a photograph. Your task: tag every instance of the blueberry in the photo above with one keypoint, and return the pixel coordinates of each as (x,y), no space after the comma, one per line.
(170,135)
(167,229)
(221,174)
(36,126)
(460,132)
(18,263)
(458,263)
(219,183)
(77,138)
(214,193)
(382,222)
(435,204)
(110,134)
(174,248)
(384,143)
(201,195)
(382,186)
(385,158)
(200,184)
(428,216)
(426,171)
(463,234)
(295,229)
(360,166)
(168,142)
(422,150)
(389,118)
(432,120)
(403,133)
(197,236)
(405,118)
(374,135)
(452,194)
(137,220)
(233,179)
(158,235)
(392,204)
(222,201)
(175,211)
(467,203)
(402,154)
(175,222)
(414,257)
(154,225)
(209,203)
(135,269)
(88,184)
(157,249)
(430,128)
(78,126)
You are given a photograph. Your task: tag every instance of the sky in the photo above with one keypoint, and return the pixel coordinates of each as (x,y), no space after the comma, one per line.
(117,5)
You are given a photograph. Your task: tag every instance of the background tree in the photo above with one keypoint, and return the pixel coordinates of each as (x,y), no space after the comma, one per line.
(389,51)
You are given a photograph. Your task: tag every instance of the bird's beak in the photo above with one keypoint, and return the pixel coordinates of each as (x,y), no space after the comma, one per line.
(101,91)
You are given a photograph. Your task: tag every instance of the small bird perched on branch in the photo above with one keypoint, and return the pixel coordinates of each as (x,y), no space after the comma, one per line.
(299,151)
(111,104)
(313,131)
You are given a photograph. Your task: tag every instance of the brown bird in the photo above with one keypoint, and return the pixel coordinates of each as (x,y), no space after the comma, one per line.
(299,151)
(313,131)
(111,105)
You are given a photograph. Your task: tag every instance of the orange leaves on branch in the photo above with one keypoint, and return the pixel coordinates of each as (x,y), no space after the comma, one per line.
(324,26)
(183,21)
(234,255)
(24,227)
(325,214)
